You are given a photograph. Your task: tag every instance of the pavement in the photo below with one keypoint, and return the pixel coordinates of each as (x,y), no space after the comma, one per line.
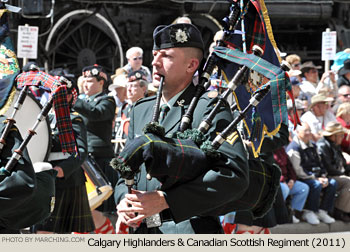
(306,228)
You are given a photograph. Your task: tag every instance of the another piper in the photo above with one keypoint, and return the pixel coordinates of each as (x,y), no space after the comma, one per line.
(193,206)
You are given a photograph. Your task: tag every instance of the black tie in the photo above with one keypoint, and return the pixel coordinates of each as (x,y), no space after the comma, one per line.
(163,112)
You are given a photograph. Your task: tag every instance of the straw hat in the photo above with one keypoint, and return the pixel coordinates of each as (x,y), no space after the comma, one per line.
(321,97)
(118,71)
(306,66)
(332,128)
(119,81)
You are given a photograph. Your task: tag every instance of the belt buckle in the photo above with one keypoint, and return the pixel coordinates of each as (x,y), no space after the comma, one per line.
(153,221)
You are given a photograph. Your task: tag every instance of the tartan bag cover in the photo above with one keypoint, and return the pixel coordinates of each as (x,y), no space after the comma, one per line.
(59,94)
(170,160)
(174,161)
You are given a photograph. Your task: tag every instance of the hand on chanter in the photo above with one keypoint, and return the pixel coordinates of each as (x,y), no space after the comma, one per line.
(139,205)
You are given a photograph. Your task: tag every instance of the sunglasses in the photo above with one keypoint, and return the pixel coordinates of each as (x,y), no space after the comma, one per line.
(296,65)
(137,58)
(345,95)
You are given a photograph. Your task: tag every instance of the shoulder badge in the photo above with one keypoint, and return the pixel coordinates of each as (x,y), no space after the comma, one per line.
(232,138)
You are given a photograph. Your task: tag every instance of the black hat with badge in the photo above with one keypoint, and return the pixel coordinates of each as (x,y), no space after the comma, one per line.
(137,75)
(345,69)
(177,35)
(95,71)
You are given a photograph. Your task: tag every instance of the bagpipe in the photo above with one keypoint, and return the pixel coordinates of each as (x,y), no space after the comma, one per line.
(188,153)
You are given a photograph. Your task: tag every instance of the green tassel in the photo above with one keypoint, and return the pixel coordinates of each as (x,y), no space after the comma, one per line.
(194,134)
(154,128)
(124,170)
(208,149)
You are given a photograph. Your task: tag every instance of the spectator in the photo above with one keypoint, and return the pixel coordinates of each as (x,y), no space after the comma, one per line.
(309,169)
(118,89)
(295,86)
(294,61)
(335,164)
(310,73)
(343,117)
(289,183)
(135,58)
(318,115)
(136,87)
(342,96)
(339,59)
(344,74)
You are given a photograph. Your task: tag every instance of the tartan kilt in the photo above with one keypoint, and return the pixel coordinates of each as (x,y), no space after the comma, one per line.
(71,213)
(264,182)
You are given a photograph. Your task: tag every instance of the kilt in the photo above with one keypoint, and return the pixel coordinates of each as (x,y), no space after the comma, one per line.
(278,214)
(71,213)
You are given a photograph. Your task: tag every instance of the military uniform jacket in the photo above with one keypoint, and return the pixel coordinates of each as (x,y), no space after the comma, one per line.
(98,115)
(194,205)
(73,173)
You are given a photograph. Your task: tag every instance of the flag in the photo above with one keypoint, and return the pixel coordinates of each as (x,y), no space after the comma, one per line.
(9,67)
(267,117)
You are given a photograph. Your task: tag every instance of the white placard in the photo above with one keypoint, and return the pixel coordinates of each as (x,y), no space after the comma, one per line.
(27,42)
(329,45)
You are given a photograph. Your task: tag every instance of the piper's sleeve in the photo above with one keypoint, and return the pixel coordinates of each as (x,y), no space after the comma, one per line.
(226,180)
(19,186)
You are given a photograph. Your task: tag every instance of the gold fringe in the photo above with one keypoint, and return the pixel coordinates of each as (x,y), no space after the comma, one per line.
(9,101)
(269,28)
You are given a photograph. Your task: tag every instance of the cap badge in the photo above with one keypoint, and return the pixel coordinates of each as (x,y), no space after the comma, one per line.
(94,71)
(181,36)
(137,75)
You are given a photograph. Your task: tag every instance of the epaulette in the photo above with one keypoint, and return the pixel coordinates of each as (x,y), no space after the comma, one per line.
(13,129)
(111,99)
(76,116)
(78,119)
